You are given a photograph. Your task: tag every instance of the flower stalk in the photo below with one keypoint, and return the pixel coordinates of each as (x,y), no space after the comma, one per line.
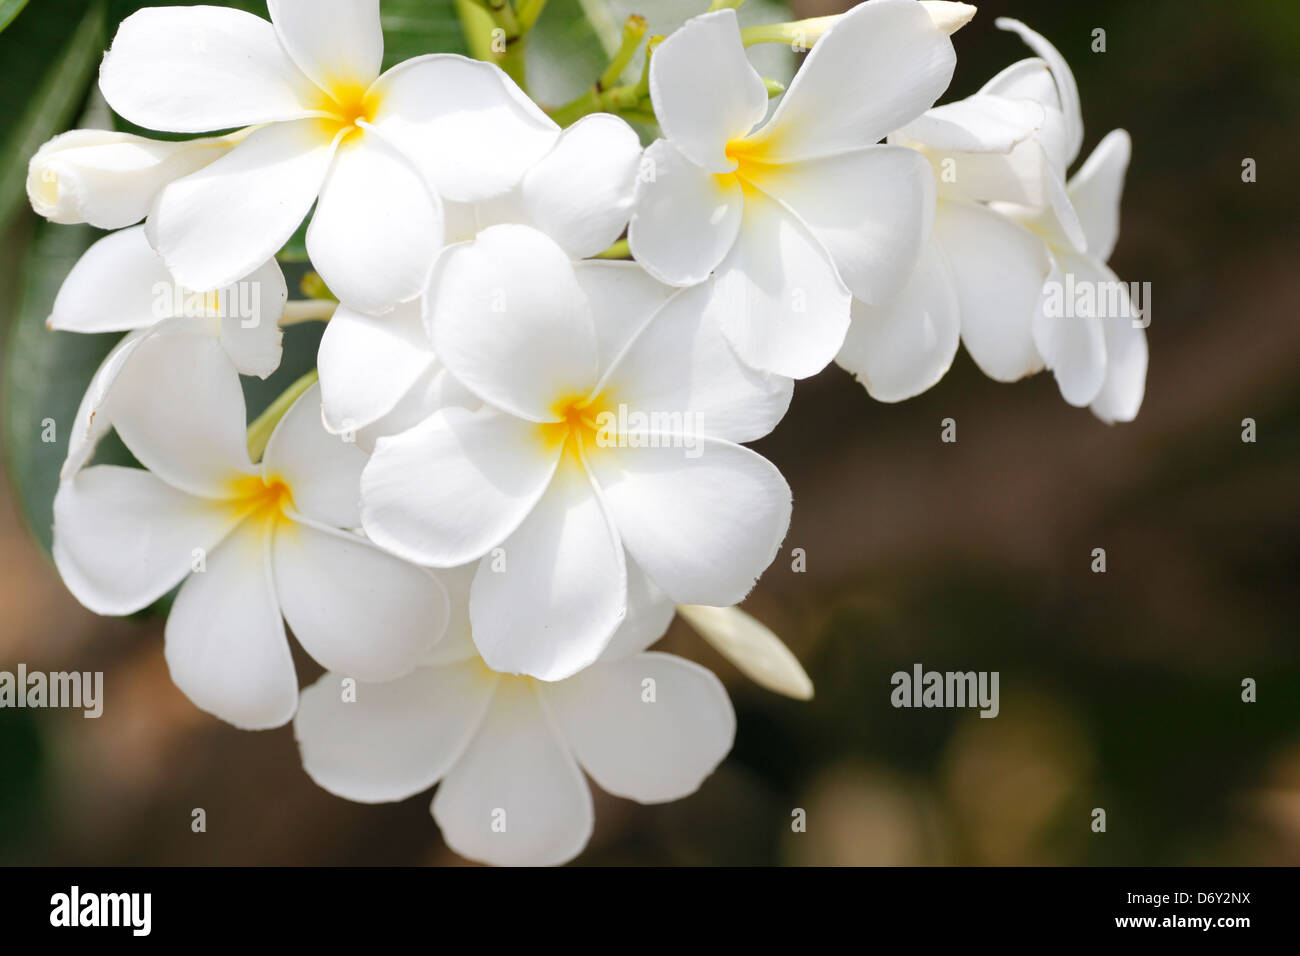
(259,433)
(496,34)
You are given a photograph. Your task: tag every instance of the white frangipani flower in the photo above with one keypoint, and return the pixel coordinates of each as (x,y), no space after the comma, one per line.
(506,751)
(109,179)
(1010,146)
(1096,347)
(976,267)
(254,545)
(121,285)
(378,150)
(794,216)
(379,375)
(611,419)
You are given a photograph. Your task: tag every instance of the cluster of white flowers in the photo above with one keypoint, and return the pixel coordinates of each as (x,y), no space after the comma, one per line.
(521,457)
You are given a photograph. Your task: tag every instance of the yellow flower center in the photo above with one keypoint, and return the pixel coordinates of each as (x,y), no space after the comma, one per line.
(578,429)
(750,161)
(260,497)
(348,105)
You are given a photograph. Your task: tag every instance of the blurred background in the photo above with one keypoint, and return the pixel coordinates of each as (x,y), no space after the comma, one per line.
(1119,690)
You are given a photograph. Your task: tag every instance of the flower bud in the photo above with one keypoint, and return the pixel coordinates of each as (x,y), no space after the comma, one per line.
(110,179)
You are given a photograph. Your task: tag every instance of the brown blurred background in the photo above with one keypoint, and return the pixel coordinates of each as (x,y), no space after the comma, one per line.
(1119,690)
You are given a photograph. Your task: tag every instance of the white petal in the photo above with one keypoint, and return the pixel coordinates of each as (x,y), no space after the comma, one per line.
(368,363)
(1126,366)
(179,408)
(1096,189)
(1021,176)
(680,372)
(516,797)
(472,131)
(777,295)
(457,645)
(119,283)
(354,608)
(550,602)
(453,487)
(756,651)
(335,42)
(622,297)
(191,69)
(1027,79)
(686,217)
(880,66)
(980,124)
(1055,220)
(704,90)
(250,325)
(998,270)
(110,179)
(581,193)
(219,224)
(433,391)
(1065,86)
(225,642)
(1070,339)
(123,538)
(91,422)
(509,320)
(322,471)
(902,347)
(650,750)
(395,739)
(703,523)
(377,227)
(649,612)
(872,209)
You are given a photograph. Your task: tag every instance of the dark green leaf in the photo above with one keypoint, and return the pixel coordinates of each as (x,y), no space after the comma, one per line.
(46,374)
(8,10)
(46,64)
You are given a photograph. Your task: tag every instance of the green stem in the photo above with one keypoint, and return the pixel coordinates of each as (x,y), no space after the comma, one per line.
(630,100)
(725,5)
(528,12)
(493,33)
(799,32)
(619,250)
(307,310)
(634,30)
(259,433)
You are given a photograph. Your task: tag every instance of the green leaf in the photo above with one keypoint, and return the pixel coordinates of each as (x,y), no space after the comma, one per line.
(46,374)
(8,10)
(47,59)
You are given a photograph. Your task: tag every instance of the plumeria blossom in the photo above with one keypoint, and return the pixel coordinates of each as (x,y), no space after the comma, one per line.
(993,268)
(378,150)
(977,267)
(508,753)
(379,374)
(111,180)
(254,544)
(121,285)
(1096,347)
(612,412)
(796,217)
